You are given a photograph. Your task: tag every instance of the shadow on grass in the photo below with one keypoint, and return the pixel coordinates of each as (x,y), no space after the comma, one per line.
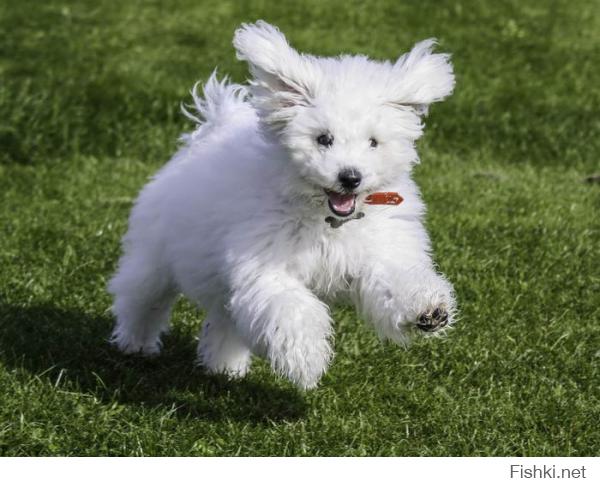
(70,349)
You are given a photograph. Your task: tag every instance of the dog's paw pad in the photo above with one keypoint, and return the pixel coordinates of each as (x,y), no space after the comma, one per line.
(433,320)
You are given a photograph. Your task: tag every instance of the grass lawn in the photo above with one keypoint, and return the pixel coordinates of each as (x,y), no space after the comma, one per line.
(89,109)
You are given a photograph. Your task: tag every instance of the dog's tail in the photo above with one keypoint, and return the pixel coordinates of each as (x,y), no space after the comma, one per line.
(221,102)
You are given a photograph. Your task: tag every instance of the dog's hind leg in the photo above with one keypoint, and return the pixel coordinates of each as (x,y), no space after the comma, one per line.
(221,349)
(143,297)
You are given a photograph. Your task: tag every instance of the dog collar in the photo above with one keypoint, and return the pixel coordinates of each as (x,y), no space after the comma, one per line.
(337,223)
(388,198)
(385,198)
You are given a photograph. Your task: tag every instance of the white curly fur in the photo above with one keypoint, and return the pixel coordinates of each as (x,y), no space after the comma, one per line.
(236,220)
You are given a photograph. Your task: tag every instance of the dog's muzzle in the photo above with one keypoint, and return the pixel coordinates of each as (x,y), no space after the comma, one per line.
(341,204)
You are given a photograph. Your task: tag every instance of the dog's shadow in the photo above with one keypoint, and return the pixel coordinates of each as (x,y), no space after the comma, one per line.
(70,349)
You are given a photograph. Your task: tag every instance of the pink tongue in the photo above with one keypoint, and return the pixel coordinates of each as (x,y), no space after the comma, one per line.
(341,202)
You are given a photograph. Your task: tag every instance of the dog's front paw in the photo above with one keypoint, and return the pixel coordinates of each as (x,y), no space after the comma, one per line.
(433,319)
(303,363)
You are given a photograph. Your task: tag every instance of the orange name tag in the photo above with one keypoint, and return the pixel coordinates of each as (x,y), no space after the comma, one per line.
(384,199)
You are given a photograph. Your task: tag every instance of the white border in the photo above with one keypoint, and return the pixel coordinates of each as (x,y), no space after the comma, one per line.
(289,472)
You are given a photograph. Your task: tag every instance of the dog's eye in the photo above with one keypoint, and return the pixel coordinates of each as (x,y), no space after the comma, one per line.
(326,139)
(373,142)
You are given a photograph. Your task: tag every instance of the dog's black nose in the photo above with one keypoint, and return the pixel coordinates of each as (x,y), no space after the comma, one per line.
(350,179)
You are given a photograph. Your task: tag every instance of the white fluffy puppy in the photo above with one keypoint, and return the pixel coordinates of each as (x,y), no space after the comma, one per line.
(261,218)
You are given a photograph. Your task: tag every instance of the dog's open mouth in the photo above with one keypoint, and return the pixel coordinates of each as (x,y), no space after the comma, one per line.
(341,204)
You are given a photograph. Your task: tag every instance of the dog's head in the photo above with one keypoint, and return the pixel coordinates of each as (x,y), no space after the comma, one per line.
(349,123)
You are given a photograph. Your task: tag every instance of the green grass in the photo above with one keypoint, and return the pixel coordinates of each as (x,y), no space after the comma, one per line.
(89,109)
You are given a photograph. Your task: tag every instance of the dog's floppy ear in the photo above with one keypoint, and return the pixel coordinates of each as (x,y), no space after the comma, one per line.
(421,77)
(282,77)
